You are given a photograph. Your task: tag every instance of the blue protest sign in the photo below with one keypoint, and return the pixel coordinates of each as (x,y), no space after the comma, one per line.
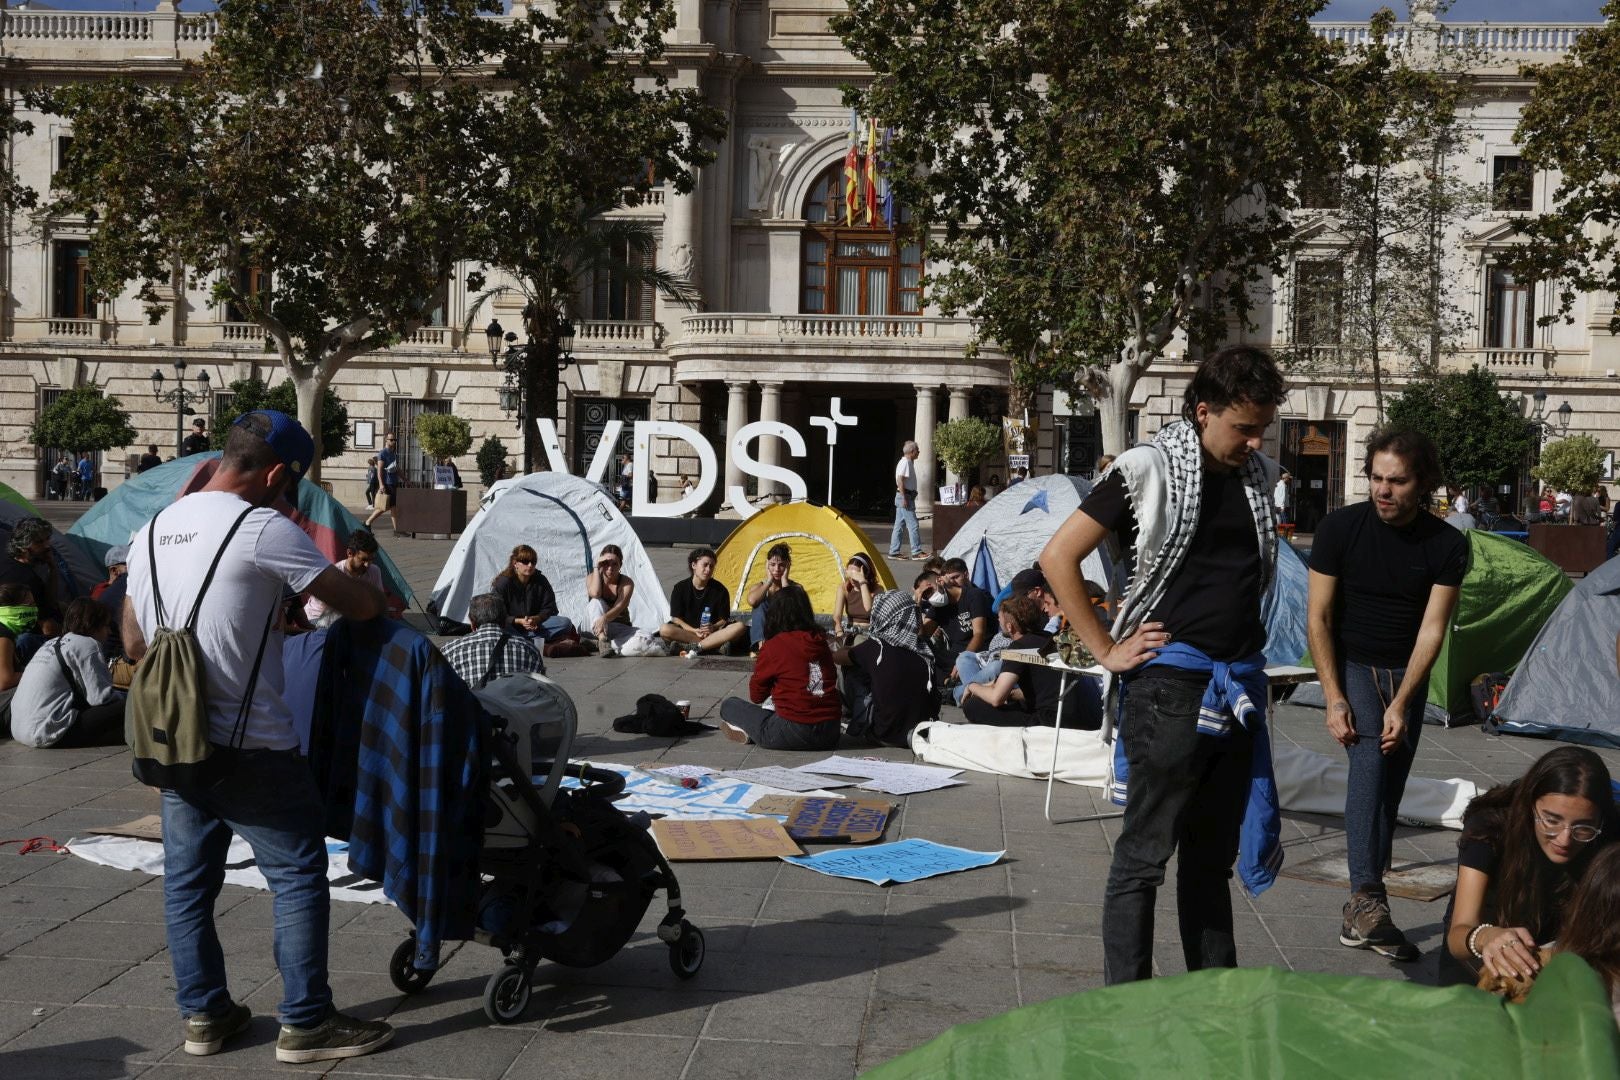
(905,860)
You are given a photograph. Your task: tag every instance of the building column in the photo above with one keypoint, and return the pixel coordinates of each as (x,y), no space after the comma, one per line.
(770,448)
(925,450)
(736,417)
(959,411)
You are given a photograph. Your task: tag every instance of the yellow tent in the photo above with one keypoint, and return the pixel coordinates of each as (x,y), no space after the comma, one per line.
(822,540)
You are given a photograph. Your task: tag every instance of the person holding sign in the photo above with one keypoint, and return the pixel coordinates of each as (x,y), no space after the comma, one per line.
(1195,506)
(796,673)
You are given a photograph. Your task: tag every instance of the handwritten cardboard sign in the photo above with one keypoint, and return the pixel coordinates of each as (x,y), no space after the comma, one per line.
(700,841)
(815,819)
(905,860)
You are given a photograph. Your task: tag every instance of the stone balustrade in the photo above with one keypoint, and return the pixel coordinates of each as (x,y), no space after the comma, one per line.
(74,329)
(610,333)
(241,331)
(1500,43)
(818,328)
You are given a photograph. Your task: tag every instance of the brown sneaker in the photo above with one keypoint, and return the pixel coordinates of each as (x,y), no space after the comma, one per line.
(337,1036)
(1368,925)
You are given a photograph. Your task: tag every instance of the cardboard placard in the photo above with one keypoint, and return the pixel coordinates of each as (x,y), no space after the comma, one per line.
(700,841)
(149,827)
(816,819)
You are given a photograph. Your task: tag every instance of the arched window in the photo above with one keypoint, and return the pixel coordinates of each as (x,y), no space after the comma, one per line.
(859,268)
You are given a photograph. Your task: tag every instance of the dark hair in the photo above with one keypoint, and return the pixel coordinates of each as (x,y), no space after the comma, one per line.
(780,551)
(486,609)
(956,566)
(934,564)
(363,540)
(868,571)
(700,553)
(86,618)
(1591,928)
(789,610)
(1412,447)
(16,596)
(1504,819)
(1024,611)
(1238,373)
(926,575)
(522,551)
(607,549)
(25,534)
(245,447)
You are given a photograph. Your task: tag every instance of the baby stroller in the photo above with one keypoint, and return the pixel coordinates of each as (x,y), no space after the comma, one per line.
(567,876)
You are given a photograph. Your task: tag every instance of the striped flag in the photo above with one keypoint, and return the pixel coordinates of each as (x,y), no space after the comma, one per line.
(886,193)
(871,172)
(852,170)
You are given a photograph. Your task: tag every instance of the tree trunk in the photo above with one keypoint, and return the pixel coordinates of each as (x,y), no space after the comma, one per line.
(1113,407)
(539,381)
(311,389)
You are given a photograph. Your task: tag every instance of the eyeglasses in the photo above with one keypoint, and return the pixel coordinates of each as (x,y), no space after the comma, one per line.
(1581,834)
(608,563)
(524,562)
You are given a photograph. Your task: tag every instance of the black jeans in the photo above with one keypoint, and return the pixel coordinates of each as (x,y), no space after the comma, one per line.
(1185,791)
(773,731)
(99,725)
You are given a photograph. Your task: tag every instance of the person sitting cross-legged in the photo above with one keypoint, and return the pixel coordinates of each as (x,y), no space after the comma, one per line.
(1026,693)
(66,696)
(888,678)
(795,673)
(700,609)
(531,603)
(491,650)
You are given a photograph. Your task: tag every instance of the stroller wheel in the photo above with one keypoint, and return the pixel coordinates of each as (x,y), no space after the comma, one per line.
(686,953)
(406,978)
(506,994)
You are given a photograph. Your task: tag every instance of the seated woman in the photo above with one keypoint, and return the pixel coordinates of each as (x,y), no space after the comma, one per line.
(608,593)
(778,564)
(795,673)
(888,678)
(530,601)
(360,561)
(1524,846)
(853,605)
(66,696)
(1023,693)
(1592,925)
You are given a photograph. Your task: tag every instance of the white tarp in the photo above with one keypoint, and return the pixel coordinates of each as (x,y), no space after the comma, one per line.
(146,857)
(1307,782)
(567,521)
(1016,524)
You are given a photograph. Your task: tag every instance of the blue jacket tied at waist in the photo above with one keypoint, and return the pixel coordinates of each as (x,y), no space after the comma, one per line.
(1237,691)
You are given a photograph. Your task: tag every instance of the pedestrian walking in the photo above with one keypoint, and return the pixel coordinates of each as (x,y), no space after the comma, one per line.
(905,503)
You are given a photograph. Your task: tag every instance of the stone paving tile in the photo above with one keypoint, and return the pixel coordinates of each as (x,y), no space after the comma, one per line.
(581,1055)
(122,942)
(17,1017)
(103,1033)
(468,1047)
(721,1060)
(49,1065)
(791,1017)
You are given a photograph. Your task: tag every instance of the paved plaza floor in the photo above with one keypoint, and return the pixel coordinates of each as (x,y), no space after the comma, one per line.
(807,976)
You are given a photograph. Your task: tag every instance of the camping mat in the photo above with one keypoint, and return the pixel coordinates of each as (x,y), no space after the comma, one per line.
(1245,1022)
(723,663)
(1416,881)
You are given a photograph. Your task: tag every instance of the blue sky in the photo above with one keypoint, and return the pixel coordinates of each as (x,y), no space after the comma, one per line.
(1462,11)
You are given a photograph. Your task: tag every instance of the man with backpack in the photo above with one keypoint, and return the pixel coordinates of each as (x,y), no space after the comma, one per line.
(205,584)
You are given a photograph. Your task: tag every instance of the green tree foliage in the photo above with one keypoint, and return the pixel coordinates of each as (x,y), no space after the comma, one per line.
(443,435)
(1574,464)
(1481,433)
(1401,203)
(1572,126)
(1095,177)
(967,443)
(82,420)
(590,124)
(491,456)
(251,394)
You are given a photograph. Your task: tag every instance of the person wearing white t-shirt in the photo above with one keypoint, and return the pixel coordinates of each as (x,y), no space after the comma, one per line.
(1279,497)
(266,793)
(905,503)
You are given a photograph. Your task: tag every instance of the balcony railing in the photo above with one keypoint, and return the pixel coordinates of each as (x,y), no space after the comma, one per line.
(610,333)
(435,336)
(1511,360)
(811,328)
(241,331)
(77,329)
(1497,42)
(74,26)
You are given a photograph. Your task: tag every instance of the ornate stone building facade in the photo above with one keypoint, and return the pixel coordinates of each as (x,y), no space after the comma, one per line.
(799,305)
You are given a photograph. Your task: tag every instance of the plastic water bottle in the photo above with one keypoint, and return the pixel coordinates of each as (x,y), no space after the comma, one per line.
(704,619)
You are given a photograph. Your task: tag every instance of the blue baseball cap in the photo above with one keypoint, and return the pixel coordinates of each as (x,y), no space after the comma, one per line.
(287,438)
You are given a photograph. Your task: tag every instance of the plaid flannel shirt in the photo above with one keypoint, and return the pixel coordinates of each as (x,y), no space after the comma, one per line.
(470,656)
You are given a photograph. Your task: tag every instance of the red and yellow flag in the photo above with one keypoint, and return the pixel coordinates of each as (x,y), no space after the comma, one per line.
(852,170)
(872,212)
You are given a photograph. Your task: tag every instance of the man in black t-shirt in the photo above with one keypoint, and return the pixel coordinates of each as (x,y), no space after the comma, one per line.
(197,441)
(968,619)
(700,609)
(1384,580)
(1194,508)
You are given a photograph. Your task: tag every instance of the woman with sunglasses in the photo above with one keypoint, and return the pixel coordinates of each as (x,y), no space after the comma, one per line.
(1523,850)
(531,603)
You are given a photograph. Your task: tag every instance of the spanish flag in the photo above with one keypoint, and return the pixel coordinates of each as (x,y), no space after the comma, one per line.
(852,170)
(871,173)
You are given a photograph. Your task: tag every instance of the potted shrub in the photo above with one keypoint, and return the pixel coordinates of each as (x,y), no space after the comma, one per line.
(963,445)
(437,510)
(1574,465)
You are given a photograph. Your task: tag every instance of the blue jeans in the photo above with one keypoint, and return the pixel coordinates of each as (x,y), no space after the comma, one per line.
(905,517)
(1377,780)
(1187,793)
(268,798)
(756,622)
(970,669)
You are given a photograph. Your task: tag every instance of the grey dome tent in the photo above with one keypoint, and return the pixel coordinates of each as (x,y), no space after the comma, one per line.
(1007,533)
(1565,687)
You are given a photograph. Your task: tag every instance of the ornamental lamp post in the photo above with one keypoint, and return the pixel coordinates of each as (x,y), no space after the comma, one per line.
(493,334)
(181,398)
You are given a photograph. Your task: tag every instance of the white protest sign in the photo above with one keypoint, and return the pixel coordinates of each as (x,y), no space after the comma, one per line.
(146,857)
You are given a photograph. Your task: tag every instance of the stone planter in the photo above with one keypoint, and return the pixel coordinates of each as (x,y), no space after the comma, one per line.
(435,511)
(1575,549)
(947,520)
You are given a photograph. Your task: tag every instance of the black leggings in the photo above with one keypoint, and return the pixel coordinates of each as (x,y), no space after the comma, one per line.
(99,725)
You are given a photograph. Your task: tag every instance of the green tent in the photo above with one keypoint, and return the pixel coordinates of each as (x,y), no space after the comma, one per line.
(1252,1022)
(1509,592)
(16,498)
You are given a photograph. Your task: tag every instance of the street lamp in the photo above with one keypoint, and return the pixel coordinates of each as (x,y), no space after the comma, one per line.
(565,343)
(492,334)
(181,398)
